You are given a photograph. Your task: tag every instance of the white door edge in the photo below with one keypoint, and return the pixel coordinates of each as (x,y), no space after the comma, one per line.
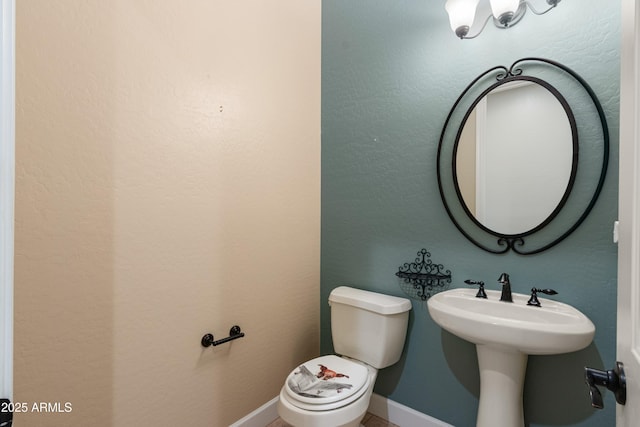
(628,315)
(7,191)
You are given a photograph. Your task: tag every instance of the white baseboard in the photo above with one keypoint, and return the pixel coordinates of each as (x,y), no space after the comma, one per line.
(379,406)
(401,415)
(261,417)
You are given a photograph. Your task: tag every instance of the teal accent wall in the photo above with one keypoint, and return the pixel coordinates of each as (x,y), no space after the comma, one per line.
(391,70)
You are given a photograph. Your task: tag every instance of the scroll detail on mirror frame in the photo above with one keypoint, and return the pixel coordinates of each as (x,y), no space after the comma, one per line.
(573,206)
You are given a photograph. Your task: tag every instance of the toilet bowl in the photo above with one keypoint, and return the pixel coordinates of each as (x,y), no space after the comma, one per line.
(368,331)
(338,402)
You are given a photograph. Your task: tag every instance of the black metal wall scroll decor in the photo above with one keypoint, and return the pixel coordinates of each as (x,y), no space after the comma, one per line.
(422,278)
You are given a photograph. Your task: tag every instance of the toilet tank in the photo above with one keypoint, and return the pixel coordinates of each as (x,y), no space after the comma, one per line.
(368,326)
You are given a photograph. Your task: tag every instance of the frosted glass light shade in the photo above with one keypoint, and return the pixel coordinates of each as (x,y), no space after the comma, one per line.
(501,7)
(461,13)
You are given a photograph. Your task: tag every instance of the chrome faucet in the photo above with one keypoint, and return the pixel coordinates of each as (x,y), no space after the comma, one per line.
(506,288)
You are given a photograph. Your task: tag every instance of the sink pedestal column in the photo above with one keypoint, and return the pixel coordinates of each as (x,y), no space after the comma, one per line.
(502,374)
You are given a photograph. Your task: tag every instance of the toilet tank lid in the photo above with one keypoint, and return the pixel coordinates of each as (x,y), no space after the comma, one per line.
(372,301)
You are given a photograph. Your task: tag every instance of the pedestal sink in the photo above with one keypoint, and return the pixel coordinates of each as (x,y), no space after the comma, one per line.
(505,334)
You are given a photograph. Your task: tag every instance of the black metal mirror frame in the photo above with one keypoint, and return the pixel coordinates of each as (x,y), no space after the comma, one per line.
(516,242)
(574,163)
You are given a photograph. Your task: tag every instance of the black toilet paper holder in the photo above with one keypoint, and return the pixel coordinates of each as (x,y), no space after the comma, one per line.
(234,333)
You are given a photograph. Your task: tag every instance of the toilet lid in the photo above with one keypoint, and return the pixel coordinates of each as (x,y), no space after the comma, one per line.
(326,380)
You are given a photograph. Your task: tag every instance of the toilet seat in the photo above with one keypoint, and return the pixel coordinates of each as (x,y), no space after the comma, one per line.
(326,383)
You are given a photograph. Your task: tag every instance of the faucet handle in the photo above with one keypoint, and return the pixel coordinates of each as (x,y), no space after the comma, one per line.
(481,293)
(534,295)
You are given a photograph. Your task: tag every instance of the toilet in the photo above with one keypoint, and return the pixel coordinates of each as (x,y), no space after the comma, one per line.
(368,331)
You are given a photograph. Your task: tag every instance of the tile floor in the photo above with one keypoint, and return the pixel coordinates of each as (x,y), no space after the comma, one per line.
(369,420)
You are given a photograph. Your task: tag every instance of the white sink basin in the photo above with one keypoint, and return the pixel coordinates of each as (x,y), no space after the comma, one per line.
(505,334)
(553,328)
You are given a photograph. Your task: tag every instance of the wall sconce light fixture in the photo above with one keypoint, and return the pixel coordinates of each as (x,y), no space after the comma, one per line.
(505,14)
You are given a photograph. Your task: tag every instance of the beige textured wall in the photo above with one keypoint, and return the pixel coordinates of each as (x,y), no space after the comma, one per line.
(168,185)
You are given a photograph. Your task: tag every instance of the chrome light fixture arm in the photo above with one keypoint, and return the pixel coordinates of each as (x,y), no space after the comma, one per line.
(505,20)
(551,3)
(462,32)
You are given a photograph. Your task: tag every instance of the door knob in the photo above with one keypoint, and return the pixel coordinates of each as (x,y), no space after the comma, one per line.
(613,379)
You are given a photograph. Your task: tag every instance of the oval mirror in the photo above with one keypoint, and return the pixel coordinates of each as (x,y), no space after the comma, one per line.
(508,169)
(516,156)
